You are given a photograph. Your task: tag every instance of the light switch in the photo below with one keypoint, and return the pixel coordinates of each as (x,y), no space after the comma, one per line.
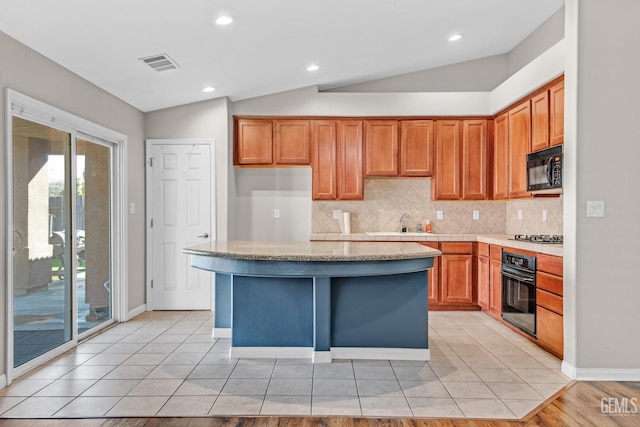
(595,208)
(276,213)
(132,208)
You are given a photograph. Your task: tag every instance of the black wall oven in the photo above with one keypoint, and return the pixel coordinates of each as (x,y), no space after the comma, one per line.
(519,291)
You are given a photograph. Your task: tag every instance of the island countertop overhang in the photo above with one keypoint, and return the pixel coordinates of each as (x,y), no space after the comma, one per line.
(325,251)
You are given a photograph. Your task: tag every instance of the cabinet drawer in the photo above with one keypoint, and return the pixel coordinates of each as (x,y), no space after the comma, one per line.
(456,247)
(549,282)
(549,301)
(496,252)
(483,249)
(550,264)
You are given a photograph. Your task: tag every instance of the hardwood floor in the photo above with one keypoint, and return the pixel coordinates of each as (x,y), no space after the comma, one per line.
(583,403)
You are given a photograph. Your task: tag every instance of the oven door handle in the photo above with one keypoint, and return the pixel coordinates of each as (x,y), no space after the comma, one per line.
(516,275)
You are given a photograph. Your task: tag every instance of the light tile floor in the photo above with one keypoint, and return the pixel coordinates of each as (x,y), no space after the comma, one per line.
(167,364)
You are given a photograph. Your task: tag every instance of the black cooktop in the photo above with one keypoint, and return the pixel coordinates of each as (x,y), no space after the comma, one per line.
(539,238)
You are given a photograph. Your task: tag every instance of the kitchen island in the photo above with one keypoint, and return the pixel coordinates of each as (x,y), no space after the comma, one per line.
(320,300)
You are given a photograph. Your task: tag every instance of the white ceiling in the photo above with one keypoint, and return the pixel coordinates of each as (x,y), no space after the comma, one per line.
(269,46)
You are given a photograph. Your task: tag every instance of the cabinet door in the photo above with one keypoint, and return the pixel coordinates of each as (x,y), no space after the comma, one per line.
(433,278)
(456,284)
(324,160)
(483,282)
(519,147)
(474,160)
(254,143)
(446,183)
(292,141)
(495,285)
(416,148)
(501,157)
(540,121)
(350,178)
(381,150)
(556,114)
(549,330)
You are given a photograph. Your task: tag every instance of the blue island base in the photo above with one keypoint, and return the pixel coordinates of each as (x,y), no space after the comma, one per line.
(322,318)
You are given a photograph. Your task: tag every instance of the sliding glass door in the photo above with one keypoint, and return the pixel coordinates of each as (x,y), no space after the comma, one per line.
(62,246)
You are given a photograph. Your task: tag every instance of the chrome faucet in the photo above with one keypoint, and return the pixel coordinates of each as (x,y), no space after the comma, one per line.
(401,221)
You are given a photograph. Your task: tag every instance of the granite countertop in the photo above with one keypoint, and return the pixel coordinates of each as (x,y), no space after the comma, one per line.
(505,240)
(312,251)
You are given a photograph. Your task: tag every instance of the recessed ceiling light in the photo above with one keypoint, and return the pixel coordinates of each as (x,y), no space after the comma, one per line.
(455,37)
(313,67)
(224,20)
(208,89)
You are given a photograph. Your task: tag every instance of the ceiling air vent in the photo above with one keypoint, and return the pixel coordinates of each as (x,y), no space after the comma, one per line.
(160,62)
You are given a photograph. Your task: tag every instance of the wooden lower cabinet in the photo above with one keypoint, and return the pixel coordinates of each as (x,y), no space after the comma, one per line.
(549,304)
(455,287)
(433,278)
(484,277)
(495,288)
(549,330)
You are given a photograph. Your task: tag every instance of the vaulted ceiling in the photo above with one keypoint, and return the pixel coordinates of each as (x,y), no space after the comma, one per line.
(268,46)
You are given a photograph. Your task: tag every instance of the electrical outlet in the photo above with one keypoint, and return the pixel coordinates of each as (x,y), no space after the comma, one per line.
(544,214)
(276,213)
(595,209)
(337,214)
(439,215)
(519,215)
(476,214)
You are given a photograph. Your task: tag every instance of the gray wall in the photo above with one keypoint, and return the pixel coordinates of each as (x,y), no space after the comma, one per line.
(545,36)
(28,72)
(602,290)
(202,120)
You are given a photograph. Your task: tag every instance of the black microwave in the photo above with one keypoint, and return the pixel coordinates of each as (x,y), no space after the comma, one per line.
(544,171)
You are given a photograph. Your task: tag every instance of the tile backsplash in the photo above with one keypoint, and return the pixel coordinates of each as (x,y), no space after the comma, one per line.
(531,221)
(385,200)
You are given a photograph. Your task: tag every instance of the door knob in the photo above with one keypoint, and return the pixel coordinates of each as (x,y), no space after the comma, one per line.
(204,236)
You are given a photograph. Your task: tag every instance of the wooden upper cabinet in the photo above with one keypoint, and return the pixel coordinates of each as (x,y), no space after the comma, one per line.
(254,143)
(556,114)
(337,160)
(501,157)
(540,121)
(324,159)
(475,148)
(350,177)
(416,147)
(446,183)
(519,147)
(292,142)
(381,148)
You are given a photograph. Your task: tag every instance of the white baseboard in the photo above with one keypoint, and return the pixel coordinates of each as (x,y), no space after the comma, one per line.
(380,353)
(221,333)
(136,312)
(600,374)
(271,352)
(328,356)
(321,357)
(3,380)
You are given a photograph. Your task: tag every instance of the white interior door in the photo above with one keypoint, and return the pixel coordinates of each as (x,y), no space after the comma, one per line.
(181,216)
